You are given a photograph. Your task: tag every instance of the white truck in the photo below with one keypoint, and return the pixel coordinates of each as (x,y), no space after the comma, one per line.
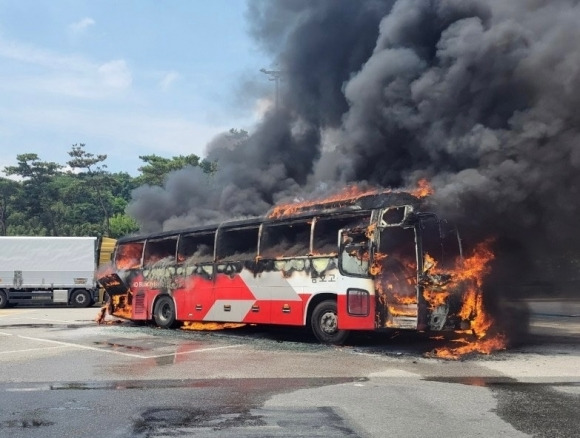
(43,270)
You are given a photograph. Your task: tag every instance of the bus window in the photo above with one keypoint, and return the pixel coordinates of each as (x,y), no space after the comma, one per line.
(440,240)
(197,248)
(237,244)
(161,249)
(285,240)
(354,254)
(128,255)
(326,232)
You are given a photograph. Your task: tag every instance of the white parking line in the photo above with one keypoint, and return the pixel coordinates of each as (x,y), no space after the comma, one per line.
(30,389)
(139,356)
(201,350)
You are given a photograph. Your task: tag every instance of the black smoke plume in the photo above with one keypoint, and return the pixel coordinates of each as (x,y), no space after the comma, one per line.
(482,98)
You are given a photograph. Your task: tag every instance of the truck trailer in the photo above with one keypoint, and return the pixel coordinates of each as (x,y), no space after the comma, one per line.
(45,270)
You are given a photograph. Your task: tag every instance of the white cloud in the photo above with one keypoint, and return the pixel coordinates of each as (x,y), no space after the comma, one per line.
(26,53)
(115,74)
(168,79)
(81,26)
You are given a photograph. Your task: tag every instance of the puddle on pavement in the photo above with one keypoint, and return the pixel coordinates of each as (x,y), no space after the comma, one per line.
(244,385)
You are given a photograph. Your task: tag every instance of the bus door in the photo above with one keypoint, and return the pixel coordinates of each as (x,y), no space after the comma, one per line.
(395,270)
(127,263)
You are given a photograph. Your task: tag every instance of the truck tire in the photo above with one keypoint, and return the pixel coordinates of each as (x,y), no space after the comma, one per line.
(164,312)
(3,299)
(80,298)
(324,324)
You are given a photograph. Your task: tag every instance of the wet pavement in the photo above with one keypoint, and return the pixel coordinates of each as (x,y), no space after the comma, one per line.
(63,375)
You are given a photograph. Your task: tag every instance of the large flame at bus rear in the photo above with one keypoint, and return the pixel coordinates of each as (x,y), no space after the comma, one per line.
(470,273)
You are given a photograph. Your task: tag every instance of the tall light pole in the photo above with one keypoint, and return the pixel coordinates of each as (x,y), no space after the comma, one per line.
(274,75)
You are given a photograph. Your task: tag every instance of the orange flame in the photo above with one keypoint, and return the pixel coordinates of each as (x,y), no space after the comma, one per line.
(199,325)
(121,307)
(471,272)
(483,346)
(423,189)
(129,256)
(350,193)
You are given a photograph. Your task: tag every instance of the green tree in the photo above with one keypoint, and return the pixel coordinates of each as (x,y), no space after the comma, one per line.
(96,177)
(121,225)
(39,196)
(9,191)
(157,168)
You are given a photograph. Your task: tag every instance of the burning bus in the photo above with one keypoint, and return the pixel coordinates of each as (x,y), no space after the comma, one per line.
(370,261)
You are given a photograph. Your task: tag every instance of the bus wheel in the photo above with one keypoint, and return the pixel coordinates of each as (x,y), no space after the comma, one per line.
(164,312)
(3,299)
(80,298)
(324,323)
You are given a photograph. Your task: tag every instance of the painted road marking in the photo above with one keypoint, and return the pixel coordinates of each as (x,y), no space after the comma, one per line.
(138,356)
(30,389)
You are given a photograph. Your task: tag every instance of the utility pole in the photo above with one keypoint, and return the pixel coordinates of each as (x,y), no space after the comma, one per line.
(274,75)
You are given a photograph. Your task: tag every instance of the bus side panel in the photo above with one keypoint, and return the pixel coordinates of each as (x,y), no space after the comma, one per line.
(347,321)
(233,299)
(283,293)
(195,299)
(140,295)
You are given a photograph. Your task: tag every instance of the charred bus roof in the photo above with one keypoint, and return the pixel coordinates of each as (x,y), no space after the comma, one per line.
(297,212)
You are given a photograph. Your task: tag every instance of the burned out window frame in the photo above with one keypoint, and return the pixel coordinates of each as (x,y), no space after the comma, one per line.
(342,250)
(193,235)
(364,218)
(145,262)
(445,259)
(267,227)
(123,244)
(223,233)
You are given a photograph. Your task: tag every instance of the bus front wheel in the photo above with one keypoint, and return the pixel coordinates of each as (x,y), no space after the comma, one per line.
(164,312)
(324,324)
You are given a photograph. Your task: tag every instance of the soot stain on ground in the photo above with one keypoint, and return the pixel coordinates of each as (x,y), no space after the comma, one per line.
(170,419)
(537,409)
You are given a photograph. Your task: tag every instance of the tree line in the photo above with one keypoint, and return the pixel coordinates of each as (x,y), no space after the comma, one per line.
(81,198)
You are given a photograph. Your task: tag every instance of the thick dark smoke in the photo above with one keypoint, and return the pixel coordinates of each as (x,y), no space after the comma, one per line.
(482,98)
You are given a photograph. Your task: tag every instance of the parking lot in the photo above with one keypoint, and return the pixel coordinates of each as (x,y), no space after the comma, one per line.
(64,375)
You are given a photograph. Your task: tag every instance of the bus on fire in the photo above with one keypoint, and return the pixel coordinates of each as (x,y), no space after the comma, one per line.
(367,263)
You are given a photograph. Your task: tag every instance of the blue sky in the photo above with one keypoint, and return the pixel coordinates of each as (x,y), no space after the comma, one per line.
(127,78)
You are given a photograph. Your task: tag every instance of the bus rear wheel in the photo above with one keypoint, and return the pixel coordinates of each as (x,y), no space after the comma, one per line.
(164,312)
(324,324)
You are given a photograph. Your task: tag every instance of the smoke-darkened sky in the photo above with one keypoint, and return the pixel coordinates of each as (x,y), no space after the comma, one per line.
(479,97)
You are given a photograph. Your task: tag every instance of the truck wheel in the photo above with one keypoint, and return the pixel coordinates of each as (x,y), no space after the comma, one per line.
(324,324)
(80,298)
(3,299)
(164,312)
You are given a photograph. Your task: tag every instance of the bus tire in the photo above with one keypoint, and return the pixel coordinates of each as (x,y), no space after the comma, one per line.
(324,324)
(164,312)
(80,298)
(3,299)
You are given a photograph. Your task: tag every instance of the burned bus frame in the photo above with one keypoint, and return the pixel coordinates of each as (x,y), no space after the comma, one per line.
(330,266)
